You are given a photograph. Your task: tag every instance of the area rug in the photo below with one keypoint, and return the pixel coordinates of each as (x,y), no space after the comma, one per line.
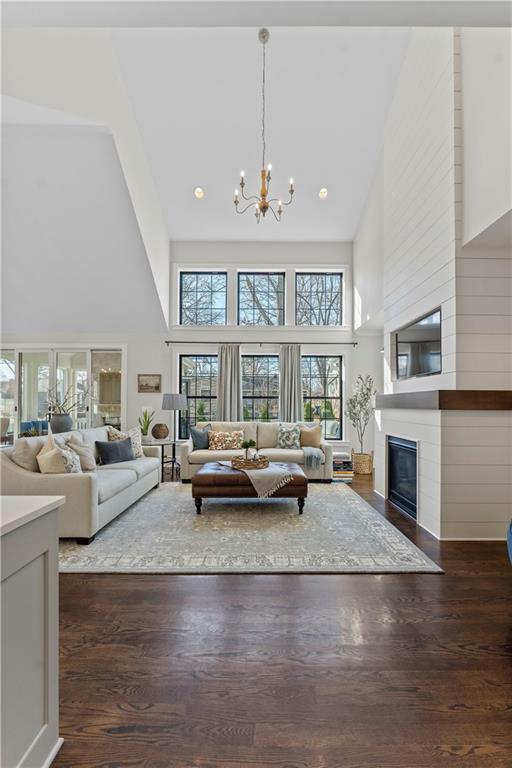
(338,533)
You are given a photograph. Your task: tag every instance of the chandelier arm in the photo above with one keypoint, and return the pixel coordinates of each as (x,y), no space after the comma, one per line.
(276,217)
(245,209)
(251,197)
(289,201)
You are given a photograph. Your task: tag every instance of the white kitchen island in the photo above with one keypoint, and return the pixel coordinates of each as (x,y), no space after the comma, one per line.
(30,631)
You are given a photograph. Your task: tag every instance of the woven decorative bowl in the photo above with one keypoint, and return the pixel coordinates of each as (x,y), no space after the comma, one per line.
(260,462)
(160,431)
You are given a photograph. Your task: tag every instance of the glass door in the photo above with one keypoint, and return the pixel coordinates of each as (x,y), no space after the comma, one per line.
(72,383)
(8,399)
(34,382)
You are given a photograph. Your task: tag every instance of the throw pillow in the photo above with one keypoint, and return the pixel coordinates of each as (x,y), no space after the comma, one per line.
(115,451)
(135,436)
(25,452)
(54,460)
(225,441)
(85,453)
(200,437)
(311,437)
(289,437)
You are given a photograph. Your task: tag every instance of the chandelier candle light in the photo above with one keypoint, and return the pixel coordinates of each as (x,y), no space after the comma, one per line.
(262,203)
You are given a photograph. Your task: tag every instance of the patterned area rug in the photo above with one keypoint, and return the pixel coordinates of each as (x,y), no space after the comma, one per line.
(338,533)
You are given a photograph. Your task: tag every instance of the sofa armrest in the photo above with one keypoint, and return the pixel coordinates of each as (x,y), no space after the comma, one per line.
(184,449)
(327,449)
(152,451)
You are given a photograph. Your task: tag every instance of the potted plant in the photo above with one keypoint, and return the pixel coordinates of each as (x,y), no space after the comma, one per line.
(145,421)
(60,408)
(247,445)
(358,411)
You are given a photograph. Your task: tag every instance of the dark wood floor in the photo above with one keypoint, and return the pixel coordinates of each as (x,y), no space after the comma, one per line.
(350,671)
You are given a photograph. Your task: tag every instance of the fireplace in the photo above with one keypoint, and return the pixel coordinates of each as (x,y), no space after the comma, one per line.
(402,474)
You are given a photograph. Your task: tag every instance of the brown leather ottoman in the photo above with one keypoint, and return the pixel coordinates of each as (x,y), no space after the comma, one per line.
(216,481)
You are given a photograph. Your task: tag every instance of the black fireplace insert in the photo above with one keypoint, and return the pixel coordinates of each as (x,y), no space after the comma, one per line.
(402,474)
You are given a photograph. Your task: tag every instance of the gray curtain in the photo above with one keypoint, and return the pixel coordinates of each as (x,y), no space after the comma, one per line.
(290,396)
(229,383)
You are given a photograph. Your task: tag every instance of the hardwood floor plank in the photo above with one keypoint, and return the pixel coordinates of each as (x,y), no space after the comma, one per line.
(292,671)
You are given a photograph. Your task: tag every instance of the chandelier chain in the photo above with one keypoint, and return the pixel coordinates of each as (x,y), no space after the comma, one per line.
(263,108)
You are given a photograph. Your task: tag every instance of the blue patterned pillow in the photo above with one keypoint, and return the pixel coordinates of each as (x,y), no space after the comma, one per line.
(289,437)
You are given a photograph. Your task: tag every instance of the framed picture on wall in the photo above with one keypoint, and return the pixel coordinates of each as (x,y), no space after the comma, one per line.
(149,383)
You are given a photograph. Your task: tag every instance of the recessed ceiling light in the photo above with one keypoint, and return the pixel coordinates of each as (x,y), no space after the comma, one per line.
(199,193)
(322,194)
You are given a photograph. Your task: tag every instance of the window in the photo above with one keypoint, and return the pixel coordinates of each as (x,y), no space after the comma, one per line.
(321,384)
(318,298)
(260,387)
(203,298)
(260,298)
(198,381)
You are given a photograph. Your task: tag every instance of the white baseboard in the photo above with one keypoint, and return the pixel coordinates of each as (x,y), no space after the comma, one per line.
(51,757)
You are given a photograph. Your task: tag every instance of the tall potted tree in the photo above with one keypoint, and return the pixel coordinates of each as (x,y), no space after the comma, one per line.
(359,410)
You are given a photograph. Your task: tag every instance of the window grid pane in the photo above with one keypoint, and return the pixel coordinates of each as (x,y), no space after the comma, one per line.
(198,380)
(318,298)
(260,387)
(261,298)
(203,298)
(322,393)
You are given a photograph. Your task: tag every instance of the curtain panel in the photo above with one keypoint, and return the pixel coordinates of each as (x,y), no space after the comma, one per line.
(290,396)
(229,383)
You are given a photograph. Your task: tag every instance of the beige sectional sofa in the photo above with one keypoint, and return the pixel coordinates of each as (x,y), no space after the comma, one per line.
(94,498)
(265,436)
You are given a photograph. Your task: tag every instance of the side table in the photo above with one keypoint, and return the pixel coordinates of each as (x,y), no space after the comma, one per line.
(164,461)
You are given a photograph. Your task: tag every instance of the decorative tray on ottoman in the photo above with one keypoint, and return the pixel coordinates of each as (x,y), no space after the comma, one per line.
(259,462)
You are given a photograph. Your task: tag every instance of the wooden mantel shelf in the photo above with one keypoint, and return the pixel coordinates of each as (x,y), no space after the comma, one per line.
(448,400)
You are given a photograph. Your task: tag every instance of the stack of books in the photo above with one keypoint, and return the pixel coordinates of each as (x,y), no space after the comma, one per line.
(342,469)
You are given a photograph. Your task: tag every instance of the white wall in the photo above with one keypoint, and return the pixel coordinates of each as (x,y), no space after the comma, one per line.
(407,232)
(73,257)
(76,70)
(369,259)
(487,125)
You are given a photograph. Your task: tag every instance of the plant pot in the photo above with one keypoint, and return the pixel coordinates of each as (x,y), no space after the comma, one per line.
(160,431)
(61,422)
(362,463)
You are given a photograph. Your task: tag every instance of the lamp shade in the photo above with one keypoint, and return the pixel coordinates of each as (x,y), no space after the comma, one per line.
(174,402)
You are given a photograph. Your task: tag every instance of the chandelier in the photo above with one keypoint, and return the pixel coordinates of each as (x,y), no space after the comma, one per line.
(262,203)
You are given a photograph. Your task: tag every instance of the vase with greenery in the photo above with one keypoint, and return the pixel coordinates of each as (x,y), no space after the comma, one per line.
(247,445)
(145,421)
(60,407)
(359,410)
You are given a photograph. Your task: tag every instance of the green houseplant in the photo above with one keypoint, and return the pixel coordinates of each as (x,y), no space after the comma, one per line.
(145,421)
(359,410)
(247,445)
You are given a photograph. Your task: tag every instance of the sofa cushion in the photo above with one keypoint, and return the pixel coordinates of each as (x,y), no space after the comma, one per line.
(115,451)
(201,457)
(225,441)
(113,481)
(142,466)
(25,452)
(311,437)
(288,437)
(91,435)
(199,437)
(267,434)
(135,436)
(249,428)
(286,454)
(54,460)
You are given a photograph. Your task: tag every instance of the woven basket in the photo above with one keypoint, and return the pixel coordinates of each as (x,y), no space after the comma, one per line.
(362,463)
(160,431)
(260,462)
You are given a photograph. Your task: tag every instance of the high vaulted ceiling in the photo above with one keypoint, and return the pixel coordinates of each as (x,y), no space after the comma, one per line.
(196,96)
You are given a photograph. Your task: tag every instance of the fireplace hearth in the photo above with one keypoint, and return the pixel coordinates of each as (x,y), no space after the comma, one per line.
(402,474)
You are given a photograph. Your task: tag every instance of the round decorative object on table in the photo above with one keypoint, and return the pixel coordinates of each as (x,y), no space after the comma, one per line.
(160,431)
(61,422)
(258,462)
